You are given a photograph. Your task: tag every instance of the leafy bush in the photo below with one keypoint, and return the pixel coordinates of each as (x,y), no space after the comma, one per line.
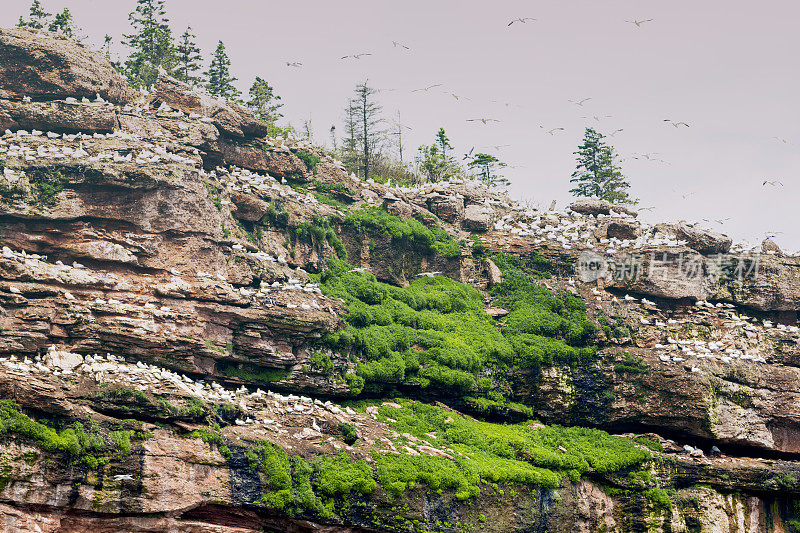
(349,435)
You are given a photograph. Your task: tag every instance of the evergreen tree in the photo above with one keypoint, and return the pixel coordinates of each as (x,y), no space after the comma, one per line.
(486,166)
(188,59)
(443,142)
(350,153)
(364,116)
(433,162)
(63,23)
(37,17)
(106,48)
(597,173)
(151,44)
(220,81)
(265,104)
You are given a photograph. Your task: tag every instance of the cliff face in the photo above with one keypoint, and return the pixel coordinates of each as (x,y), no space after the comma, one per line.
(167,362)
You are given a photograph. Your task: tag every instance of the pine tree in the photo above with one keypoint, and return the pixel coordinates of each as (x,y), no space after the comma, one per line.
(151,44)
(486,166)
(63,23)
(220,81)
(265,104)
(597,173)
(188,59)
(37,17)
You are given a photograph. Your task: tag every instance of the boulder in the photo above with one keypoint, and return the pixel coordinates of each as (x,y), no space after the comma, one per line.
(232,119)
(596,206)
(623,229)
(768,245)
(399,208)
(106,251)
(493,273)
(448,208)
(277,163)
(703,241)
(48,66)
(248,207)
(58,116)
(63,360)
(478,218)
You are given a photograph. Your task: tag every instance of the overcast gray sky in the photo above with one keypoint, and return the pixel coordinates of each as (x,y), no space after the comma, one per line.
(728,68)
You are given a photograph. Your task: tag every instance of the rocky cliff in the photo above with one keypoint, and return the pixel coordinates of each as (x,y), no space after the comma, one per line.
(207,329)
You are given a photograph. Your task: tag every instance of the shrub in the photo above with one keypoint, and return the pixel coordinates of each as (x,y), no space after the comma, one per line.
(311,161)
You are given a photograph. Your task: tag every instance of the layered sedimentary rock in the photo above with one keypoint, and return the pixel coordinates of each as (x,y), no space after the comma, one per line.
(159,275)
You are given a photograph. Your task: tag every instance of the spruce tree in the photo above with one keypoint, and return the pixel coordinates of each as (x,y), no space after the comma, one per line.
(188,59)
(597,173)
(63,23)
(365,112)
(487,166)
(37,17)
(151,43)
(220,81)
(443,142)
(265,104)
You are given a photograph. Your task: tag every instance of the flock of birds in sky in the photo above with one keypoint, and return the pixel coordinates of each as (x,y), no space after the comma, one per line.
(552,131)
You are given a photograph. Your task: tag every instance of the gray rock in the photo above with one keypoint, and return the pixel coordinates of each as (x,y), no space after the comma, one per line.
(448,208)
(623,229)
(768,245)
(229,117)
(48,66)
(596,206)
(57,116)
(478,218)
(703,241)
(493,273)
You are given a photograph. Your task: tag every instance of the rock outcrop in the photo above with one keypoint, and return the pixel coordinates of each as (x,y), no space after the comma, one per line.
(45,66)
(169,362)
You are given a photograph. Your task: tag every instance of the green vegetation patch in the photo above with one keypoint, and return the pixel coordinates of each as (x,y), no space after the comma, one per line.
(311,161)
(542,327)
(494,453)
(432,333)
(87,445)
(435,240)
(47,182)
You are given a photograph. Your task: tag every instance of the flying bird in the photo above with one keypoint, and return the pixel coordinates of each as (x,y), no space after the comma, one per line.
(676,124)
(598,119)
(615,132)
(639,23)
(294,64)
(428,88)
(521,19)
(719,221)
(774,183)
(580,102)
(552,131)
(356,56)
(484,120)
(781,139)
(457,97)
(401,45)
(468,155)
